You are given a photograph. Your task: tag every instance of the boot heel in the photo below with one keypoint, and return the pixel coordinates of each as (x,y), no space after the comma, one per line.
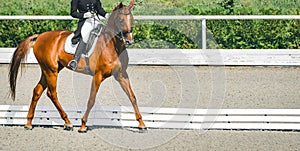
(73,64)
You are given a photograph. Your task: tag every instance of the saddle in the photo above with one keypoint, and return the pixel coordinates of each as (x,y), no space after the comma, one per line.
(93,37)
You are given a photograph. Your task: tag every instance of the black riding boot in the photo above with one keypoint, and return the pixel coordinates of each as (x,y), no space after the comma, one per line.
(81,48)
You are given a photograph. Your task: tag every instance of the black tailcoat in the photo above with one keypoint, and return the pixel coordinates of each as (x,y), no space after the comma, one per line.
(78,8)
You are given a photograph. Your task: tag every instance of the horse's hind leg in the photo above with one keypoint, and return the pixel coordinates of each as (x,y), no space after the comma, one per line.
(37,92)
(123,79)
(52,94)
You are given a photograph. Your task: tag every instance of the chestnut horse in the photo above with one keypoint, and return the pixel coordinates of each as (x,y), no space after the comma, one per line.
(109,58)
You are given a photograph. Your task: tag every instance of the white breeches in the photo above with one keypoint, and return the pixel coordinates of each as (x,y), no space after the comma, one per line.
(88,26)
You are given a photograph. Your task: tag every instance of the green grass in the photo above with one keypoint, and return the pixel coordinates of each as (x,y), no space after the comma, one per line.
(43,7)
(146,7)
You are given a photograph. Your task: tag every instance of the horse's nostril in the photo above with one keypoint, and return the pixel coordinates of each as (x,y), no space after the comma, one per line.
(128,43)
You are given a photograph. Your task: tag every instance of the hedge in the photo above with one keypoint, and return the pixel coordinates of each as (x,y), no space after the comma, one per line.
(225,34)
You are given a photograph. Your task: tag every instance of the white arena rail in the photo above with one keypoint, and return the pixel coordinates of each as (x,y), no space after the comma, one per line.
(171,118)
(252,57)
(169,17)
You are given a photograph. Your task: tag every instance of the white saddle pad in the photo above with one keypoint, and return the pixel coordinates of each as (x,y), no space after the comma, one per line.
(70,48)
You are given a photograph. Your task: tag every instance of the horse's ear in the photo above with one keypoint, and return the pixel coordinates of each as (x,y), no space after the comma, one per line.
(131,4)
(121,5)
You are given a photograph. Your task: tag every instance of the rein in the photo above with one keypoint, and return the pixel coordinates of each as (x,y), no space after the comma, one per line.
(120,35)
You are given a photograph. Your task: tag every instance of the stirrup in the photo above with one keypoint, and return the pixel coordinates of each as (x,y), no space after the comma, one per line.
(73,64)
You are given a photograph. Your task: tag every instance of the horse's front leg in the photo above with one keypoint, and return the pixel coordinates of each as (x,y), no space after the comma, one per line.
(124,81)
(97,79)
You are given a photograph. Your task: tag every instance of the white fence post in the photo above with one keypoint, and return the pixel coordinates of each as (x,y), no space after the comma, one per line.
(203,34)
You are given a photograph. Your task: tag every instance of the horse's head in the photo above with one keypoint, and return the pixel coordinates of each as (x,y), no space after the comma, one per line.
(121,18)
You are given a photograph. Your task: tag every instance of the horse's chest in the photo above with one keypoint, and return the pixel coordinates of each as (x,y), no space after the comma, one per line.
(110,65)
(113,63)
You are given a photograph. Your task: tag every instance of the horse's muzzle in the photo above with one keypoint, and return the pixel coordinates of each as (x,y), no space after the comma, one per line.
(129,37)
(129,42)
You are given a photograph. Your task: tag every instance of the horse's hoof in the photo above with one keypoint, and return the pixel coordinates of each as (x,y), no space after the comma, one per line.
(68,127)
(82,130)
(142,129)
(28,127)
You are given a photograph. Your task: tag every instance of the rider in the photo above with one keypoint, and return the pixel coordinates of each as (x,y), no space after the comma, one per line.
(81,9)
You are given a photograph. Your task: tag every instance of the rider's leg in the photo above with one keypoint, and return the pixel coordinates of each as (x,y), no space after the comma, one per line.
(75,39)
(77,33)
(81,48)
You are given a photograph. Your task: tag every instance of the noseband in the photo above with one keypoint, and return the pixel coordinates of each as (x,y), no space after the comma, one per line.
(126,32)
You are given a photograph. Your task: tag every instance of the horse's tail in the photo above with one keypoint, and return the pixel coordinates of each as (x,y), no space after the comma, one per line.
(19,55)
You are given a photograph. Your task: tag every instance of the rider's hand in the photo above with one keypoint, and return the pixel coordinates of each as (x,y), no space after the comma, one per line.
(87,15)
(107,16)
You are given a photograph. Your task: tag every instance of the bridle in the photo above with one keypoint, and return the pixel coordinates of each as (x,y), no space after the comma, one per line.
(122,33)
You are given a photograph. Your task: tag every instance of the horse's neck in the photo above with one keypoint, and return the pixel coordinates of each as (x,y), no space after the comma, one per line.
(111,36)
(111,27)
